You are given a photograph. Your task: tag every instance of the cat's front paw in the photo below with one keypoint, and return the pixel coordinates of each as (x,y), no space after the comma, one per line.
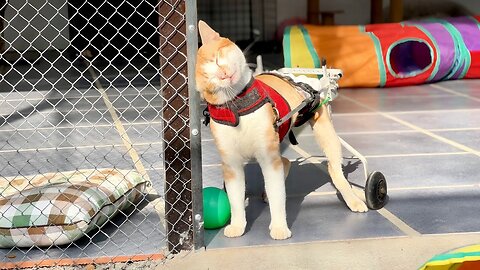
(280,233)
(234,231)
(356,204)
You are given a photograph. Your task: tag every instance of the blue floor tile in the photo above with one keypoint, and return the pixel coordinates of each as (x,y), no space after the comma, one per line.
(438,210)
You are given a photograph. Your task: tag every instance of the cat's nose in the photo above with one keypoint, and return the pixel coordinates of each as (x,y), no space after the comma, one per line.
(223,75)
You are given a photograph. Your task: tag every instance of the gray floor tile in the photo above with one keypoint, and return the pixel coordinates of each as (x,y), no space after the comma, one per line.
(51,138)
(136,74)
(438,211)
(33,162)
(392,92)
(145,89)
(468,87)
(442,119)
(44,161)
(25,95)
(55,85)
(470,138)
(315,218)
(31,118)
(304,178)
(384,144)
(421,103)
(427,171)
(343,105)
(143,114)
(84,104)
(205,132)
(151,155)
(74,88)
(212,176)
(51,71)
(140,101)
(97,135)
(364,123)
(157,178)
(210,153)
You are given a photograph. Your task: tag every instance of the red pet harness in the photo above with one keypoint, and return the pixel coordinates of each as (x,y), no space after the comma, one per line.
(254,96)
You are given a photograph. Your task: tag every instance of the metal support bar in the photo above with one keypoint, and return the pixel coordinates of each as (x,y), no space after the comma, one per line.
(292,112)
(312,71)
(356,154)
(195,126)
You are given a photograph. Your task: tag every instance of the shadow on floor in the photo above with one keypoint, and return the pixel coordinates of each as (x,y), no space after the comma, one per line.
(303,179)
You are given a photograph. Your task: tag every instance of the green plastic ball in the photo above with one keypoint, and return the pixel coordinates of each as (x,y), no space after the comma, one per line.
(216,208)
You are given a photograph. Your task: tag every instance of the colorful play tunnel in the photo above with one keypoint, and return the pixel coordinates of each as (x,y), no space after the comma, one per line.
(393,54)
(465,258)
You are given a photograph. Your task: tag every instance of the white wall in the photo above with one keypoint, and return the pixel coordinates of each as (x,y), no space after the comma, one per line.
(36,24)
(286,9)
(355,11)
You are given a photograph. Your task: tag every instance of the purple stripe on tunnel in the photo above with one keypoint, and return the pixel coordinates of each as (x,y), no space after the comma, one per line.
(445,46)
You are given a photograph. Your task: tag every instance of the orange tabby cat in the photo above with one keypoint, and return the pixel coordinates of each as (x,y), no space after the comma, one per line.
(222,74)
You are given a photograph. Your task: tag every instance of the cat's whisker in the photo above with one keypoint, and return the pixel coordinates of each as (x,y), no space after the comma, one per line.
(232,94)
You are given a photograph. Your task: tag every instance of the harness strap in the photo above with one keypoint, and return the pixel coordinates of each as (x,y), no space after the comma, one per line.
(253,97)
(292,138)
(294,111)
(305,110)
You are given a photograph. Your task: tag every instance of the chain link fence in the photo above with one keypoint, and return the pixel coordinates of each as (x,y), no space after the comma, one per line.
(99,132)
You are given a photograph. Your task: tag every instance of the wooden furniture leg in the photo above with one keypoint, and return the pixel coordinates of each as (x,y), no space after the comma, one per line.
(376,11)
(313,11)
(396,10)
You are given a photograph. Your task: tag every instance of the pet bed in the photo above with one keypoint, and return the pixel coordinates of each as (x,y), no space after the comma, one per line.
(59,208)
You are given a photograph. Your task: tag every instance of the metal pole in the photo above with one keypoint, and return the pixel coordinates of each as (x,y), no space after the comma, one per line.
(195,126)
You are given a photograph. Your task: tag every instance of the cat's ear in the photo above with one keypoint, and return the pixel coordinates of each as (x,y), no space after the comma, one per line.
(207,34)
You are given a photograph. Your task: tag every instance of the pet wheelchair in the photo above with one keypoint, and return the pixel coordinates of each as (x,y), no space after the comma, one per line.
(376,185)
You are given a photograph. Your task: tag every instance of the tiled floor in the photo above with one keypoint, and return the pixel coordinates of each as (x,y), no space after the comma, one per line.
(60,122)
(425,139)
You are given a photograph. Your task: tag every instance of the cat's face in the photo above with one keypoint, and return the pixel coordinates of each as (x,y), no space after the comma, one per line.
(220,66)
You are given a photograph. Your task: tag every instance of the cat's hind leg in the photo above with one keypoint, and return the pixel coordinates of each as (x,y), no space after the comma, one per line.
(328,140)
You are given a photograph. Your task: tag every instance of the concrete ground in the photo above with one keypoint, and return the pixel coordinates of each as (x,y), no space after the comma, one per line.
(397,253)
(423,138)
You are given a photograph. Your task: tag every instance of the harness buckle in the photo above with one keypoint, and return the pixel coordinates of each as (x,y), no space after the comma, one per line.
(276,114)
(206,117)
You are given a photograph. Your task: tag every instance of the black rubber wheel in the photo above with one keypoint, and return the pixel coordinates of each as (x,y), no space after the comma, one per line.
(376,191)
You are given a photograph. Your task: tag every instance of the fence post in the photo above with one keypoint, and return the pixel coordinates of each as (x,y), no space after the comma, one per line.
(195,125)
(3,6)
(181,126)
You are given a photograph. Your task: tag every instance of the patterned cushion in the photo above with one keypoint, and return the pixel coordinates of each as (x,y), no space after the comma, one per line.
(60,208)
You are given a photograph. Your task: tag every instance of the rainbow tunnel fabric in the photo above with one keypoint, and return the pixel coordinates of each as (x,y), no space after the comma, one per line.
(391,54)
(464,258)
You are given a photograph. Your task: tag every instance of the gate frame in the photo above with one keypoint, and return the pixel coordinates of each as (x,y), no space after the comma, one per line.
(183,169)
